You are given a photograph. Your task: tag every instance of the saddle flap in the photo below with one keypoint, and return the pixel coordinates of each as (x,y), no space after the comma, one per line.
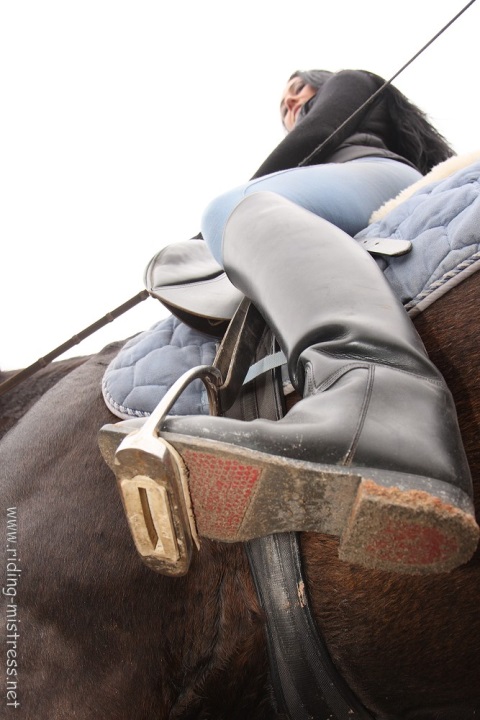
(187,279)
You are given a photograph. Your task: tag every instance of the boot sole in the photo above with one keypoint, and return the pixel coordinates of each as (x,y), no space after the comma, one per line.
(385,520)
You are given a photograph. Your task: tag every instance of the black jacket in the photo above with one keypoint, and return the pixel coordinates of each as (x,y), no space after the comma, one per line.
(368,134)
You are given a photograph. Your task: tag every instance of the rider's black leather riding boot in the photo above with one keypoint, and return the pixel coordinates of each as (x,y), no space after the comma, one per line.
(376,432)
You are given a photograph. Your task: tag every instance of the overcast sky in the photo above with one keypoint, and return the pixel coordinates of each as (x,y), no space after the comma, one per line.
(121,119)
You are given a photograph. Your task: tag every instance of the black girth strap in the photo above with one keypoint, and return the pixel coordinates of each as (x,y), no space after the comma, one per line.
(307,684)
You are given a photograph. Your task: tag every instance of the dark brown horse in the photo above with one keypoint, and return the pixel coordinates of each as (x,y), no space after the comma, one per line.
(98,635)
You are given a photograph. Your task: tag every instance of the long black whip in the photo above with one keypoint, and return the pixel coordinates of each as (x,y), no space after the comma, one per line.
(27,372)
(372,97)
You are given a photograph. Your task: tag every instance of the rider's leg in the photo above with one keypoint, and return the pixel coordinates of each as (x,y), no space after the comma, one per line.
(345,194)
(372,399)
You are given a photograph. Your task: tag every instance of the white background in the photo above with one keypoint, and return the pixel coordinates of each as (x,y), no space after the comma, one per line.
(121,119)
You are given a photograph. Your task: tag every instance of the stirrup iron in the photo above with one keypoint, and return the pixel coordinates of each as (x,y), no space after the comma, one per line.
(152,480)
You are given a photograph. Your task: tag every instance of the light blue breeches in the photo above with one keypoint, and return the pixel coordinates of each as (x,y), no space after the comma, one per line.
(345,194)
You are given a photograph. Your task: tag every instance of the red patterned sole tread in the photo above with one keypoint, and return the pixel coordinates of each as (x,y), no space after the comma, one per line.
(222,488)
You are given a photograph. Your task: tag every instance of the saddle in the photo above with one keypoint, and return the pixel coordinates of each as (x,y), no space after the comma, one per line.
(190,283)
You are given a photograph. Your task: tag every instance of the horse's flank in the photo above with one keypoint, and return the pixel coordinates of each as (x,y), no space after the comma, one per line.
(410,646)
(104,637)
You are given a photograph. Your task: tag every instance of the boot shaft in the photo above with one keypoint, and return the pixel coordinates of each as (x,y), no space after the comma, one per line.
(316,286)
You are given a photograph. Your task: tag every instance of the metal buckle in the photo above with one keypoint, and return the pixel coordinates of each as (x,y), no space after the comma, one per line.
(152,480)
(392,247)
